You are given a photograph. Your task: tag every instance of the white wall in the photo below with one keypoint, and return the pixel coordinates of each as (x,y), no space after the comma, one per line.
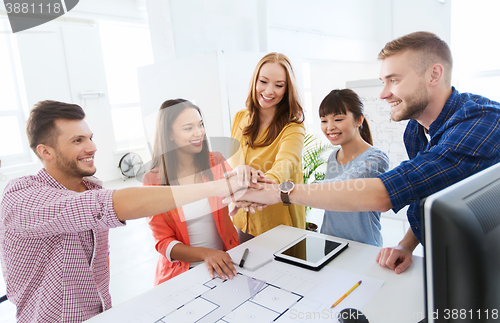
(113,10)
(352,30)
(339,40)
(428,15)
(322,29)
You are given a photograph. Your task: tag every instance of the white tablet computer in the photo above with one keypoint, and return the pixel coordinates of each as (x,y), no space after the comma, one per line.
(311,251)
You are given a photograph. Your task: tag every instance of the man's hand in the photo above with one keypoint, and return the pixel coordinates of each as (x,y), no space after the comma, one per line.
(399,258)
(396,258)
(221,262)
(268,195)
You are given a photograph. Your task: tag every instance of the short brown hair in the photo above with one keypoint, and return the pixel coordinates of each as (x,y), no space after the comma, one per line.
(429,50)
(288,110)
(41,128)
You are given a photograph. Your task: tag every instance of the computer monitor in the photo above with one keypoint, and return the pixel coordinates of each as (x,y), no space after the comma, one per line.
(462,250)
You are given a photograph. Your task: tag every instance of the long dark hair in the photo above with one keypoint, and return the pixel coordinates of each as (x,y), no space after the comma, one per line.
(341,101)
(288,110)
(164,151)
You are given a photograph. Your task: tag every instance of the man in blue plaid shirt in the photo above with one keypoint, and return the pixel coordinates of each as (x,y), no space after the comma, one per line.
(449,137)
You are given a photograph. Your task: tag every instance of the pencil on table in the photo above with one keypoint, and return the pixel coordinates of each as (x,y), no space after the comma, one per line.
(347,293)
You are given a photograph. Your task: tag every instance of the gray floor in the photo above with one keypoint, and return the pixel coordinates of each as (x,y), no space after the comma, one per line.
(133,257)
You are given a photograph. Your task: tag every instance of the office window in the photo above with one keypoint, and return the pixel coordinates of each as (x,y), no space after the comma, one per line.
(14,148)
(475,47)
(308,108)
(125,48)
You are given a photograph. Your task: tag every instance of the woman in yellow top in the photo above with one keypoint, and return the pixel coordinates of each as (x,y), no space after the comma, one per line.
(271,136)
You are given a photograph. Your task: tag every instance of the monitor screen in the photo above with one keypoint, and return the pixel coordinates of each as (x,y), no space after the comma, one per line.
(462,250)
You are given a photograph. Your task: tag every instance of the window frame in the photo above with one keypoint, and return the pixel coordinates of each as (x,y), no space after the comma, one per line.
(125,145)
(21,112)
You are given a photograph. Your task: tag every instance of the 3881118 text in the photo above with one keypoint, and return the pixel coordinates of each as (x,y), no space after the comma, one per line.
(466,315)
(32,8)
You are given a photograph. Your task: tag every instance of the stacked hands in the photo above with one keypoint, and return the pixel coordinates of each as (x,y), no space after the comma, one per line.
(245,183)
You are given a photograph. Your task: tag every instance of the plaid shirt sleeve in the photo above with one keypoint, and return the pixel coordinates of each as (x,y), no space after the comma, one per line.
(468,143)
(33,209)
(54,247)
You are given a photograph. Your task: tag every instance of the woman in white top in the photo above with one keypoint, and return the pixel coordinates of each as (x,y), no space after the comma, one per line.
(200,231)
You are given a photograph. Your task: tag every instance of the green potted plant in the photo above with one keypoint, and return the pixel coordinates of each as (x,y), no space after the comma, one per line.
(313,158)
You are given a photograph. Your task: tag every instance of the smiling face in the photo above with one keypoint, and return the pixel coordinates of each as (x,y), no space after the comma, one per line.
(271,85)
(75,150)
(188,132)
(404,89)
(340,129)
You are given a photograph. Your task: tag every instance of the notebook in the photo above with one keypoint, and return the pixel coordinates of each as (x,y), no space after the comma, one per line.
(257,256)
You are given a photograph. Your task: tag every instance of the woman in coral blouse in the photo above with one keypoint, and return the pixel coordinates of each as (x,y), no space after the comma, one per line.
(201,231)
(271,135)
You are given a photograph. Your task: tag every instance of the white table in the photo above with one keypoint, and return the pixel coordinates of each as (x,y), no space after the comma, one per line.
(400,299)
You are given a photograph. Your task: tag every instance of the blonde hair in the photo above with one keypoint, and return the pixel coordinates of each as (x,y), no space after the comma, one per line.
(289,109)
(429,49)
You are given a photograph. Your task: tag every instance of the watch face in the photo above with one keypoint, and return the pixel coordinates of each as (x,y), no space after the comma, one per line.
(286,186)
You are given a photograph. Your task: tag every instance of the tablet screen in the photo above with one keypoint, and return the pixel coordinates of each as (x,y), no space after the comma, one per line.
(316,248)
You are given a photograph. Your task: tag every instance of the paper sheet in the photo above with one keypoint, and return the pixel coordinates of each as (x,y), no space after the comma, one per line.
(323,287)
(257,256)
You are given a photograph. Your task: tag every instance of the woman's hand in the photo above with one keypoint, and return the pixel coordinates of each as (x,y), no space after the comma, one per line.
(268,194)
(247,206)
(236,182)
(247,175)
(250,178)
(221,262)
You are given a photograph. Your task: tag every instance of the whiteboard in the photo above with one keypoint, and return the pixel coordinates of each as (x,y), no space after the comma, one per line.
(387,134)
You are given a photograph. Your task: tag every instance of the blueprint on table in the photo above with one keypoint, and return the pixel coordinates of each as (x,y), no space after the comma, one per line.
(241,299)
(277,292)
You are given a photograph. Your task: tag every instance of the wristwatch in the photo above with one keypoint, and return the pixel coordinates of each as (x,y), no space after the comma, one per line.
(285,189)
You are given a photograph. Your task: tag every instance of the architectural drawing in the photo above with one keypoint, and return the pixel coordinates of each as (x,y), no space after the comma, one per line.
(241,299)
(276,292)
